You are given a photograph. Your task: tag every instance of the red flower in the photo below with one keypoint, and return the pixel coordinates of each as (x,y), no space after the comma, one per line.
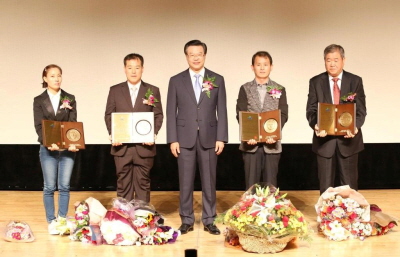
(270,218)
(85,231)
(330,209)
(285,221)
(254,214)
(278,206)
(353,216)
(301,219)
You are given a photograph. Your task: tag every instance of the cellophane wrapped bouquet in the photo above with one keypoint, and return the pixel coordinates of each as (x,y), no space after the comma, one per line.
(88,215)
(18,231)
(343,213)
(135,223)
(263,213)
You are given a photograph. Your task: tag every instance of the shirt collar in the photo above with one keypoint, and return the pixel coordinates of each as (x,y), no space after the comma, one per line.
(201,72)
(265,84)
(52,96)
(131,86)
(339,77)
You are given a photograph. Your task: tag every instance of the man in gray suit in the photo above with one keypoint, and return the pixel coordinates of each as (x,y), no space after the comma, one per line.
(261,95)
(197,129)
(332,151)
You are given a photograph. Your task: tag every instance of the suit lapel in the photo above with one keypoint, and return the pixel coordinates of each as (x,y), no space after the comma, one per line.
(255,95)
(127,94)
(140,96)
(47,104)
(187,83)
(345,86)
(326,89)
(207,73)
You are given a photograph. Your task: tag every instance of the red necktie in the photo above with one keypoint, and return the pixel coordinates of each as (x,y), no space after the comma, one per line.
(336,91)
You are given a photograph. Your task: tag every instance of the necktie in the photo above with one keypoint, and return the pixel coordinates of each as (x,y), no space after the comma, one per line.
(133,95)
(197,87)
(336,91)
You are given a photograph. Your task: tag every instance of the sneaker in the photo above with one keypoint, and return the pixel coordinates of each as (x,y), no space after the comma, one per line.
(53,228)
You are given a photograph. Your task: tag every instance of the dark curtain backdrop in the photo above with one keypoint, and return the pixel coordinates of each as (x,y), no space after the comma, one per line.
(379,168)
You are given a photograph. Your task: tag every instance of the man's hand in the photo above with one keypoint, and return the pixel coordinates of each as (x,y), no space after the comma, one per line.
(114,143)
(151,143)
(350,135)
(219,146)
(252,142)
(319,133)
(72,148)
(175,149)
(270,141)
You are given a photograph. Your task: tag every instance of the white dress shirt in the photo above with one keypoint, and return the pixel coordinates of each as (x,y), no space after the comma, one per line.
(339,83)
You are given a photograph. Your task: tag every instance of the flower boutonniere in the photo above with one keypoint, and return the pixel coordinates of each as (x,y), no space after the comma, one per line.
(350,97)
(149,98)
(66,103)
(275,91)
(208,85)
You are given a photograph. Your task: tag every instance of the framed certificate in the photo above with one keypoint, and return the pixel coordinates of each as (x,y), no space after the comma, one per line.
(132,127)
(260,126)
(336,119)
(63,134)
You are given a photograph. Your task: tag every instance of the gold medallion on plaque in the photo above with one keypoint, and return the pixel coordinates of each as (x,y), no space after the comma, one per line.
(270,125)
(345,119)
(73,135)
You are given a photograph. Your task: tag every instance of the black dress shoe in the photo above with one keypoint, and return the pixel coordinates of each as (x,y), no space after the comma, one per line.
(212,229)
(184,228)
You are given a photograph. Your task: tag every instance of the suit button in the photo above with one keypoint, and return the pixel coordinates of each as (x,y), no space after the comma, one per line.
(196,120)
(198,108)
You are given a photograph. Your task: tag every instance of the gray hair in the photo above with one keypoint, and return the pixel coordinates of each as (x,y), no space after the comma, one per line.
(333,48)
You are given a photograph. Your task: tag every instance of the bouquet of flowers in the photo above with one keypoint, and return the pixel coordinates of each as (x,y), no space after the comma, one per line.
(344,213)
(18,231)
(117,226)
(264,215)
(135,223)
(147,223)
(88,215)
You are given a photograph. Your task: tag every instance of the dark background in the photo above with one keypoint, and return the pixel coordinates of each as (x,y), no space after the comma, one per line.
(379,168)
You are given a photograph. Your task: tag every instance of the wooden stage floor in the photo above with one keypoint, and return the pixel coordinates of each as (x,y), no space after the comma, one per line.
(28,207)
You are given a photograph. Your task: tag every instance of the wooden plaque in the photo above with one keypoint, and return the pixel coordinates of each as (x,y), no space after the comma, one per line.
(63,134)
(337,119)
(260,126)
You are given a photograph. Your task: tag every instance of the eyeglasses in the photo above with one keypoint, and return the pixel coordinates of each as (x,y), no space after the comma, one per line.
(195,56)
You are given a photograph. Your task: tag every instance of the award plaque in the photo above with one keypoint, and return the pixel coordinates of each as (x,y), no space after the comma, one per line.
(132,127)
(63,134)
(336,119)
(260,126)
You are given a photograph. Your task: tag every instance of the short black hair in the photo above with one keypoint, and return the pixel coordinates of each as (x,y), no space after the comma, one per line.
(134,57)
(261,54)
(195,42)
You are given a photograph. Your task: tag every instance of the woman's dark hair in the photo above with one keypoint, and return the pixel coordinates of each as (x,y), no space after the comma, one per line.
(46,69)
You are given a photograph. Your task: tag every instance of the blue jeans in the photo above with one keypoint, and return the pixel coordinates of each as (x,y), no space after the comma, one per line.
(57,169)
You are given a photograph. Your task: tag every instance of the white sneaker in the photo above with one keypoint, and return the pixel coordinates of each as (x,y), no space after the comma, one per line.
(53,228)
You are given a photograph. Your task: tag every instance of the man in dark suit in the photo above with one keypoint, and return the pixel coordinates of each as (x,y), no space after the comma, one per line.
(336,151)
(133,162)
(197,129)
(261,160)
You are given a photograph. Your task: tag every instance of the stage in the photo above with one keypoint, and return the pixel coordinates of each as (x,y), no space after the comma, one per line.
(27,206)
